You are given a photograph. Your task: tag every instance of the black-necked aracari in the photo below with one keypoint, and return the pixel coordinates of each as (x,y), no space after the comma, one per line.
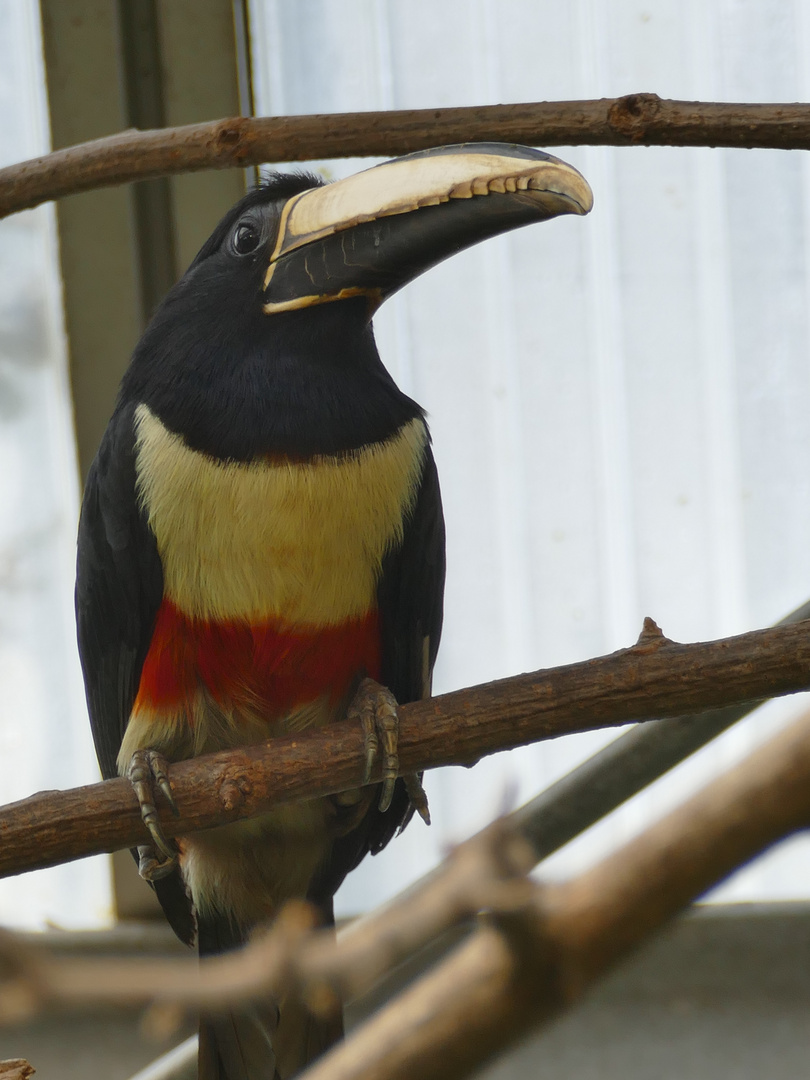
(261,534)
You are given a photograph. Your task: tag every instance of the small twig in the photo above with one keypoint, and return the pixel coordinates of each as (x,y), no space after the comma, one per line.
(655,678)
(636,119)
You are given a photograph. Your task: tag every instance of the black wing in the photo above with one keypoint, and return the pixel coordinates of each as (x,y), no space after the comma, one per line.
(410,599)
(119,588)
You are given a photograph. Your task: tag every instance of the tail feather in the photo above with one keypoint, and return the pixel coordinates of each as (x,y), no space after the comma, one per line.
(238,1046)
(270,1041)
(302,1037)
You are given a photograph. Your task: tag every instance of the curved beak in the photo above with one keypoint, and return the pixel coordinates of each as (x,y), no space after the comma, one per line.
(372,233)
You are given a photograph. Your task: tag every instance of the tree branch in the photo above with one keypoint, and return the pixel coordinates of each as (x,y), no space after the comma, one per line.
(637,119)
(655,678)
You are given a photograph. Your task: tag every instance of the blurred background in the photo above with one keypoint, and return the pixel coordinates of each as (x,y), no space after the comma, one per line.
(618,404)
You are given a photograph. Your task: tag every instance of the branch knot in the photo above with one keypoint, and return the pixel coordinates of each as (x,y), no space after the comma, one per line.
(630,115)
(651,637)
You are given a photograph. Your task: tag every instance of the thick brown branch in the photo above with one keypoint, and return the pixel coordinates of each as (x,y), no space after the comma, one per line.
(524,968)
(655,678)
(637,119)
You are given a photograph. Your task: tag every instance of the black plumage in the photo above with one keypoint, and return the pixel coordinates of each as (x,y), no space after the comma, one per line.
(239,385)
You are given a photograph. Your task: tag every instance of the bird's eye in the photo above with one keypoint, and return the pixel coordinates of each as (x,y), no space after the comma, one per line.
(246,238)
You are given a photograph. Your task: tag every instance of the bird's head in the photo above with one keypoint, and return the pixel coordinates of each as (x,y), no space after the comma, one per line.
(296,243)
(277,304)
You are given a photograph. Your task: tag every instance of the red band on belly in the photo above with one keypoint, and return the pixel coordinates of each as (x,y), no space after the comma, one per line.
(262,665)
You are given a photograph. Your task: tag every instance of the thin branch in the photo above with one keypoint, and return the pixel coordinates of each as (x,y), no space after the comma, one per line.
(655,678)
(636,119)
(623,768)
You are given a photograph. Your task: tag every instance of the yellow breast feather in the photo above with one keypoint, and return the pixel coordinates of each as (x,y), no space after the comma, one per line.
(299,541)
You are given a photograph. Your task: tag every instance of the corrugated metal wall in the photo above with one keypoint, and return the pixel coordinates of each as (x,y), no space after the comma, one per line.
(619,404)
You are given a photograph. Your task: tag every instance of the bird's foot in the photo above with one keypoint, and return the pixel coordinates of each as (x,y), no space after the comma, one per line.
(376,709)
(147,770)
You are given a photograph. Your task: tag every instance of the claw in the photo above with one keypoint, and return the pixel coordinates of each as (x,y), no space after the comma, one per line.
(158,765)
(150,868)
(417,795)
(372,743)
(388,721)
(148,768)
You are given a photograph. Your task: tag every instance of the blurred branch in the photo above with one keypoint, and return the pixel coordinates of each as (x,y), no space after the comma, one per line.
(485,872)
(16,1069)
(636,119)
(179,1063)
(654,678)
(524,967)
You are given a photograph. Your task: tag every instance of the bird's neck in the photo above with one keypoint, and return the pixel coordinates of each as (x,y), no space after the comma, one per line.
(271,394)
